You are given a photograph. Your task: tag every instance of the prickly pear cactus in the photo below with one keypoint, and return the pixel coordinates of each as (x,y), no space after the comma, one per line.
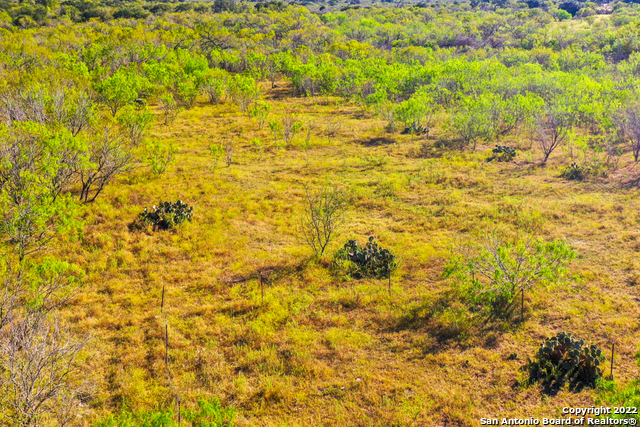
(503,153)
(575,172)
(370,260)
(563,359)
(166,215)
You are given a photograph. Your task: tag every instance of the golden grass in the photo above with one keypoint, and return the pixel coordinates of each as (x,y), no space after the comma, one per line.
(320,350)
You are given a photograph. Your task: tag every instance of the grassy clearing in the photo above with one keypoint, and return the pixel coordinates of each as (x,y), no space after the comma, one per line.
(319,349)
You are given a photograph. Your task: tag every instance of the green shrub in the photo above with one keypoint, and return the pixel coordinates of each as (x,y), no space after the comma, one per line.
(165,216)
(159,155)
(495,272)
(562,15)
(563,359)
(370,260)
(209,413)
(621,397)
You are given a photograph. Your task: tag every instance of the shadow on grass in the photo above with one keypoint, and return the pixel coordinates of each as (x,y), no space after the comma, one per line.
(549,387)
(376,141)
(436,149)
(268,274)
(444,321)
(448,322)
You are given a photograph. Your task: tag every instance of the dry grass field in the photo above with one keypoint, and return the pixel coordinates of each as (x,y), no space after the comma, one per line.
(319,349)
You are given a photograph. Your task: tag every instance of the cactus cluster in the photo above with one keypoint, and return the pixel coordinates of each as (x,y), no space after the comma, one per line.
(503,153)
(563,359)
(369,260)
(415,129)
(166,215)
(575,172)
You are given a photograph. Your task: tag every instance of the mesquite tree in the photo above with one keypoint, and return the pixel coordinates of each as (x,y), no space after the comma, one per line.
(628,121)
(39,360)
(109,156)
(494,271)
(322,217)
(552,128)
(471,120)
(36,166)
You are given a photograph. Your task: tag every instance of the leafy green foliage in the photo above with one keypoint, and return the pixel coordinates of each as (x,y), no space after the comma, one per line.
(37,167)
(614,395)
(494,271)
(417,112)
(134,123)
(564,359)
(369,260)
(121,88)
(470,120)
(243,90)
(165,216)
(159,155)
(209,413)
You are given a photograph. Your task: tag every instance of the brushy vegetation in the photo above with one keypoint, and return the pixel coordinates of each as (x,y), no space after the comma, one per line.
(289,125)
(207,414)
(495,271)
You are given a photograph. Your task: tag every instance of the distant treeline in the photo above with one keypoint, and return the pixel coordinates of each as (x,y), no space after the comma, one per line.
(31,13)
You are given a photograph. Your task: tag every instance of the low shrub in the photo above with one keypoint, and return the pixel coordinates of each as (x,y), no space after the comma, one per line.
(209,413)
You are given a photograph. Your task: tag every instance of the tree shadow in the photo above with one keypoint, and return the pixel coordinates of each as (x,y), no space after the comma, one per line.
(448,322)
(376,141)
(552,384)
(268,273)
(633,183)
(436,149)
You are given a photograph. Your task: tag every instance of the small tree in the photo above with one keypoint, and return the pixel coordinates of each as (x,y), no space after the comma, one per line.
(290,126)
(493,272)
(275,128)
(36,166)
(109,155)
(417,112)
(134,124)
(243,90)
(385,107)
(216,151)
(628,122)
(121,88)
(322,217)
(170,107)
(552,129)
(228,151)
(159,155)
(332,127)
(471,120)
(260,111)
(38,362)
(38,358)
